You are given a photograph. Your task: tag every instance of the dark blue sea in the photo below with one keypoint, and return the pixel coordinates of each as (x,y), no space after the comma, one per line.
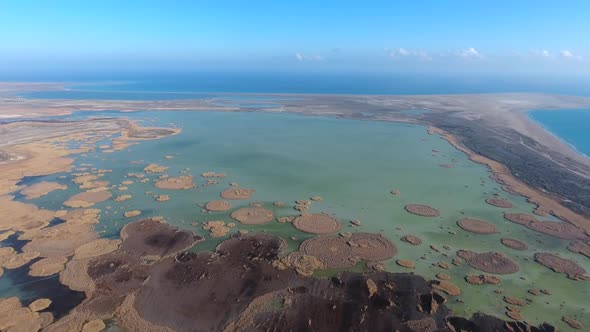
(572,126)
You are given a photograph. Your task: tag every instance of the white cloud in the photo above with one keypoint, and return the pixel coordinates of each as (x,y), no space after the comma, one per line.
(569,55)
(303,57)
(405,53)
(545,53)
(469,53)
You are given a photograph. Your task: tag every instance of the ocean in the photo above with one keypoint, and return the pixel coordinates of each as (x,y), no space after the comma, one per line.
(572,126)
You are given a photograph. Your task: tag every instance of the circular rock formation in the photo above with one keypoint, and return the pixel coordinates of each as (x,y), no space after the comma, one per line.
(560,230)
(339,252)
(218,206)
(561,265)
(331,250)
(237,193)
(320,223)
(513,244)
(422,210)
(411,239)
(253,215)
(490,262)
(499,202)
(476,226)
(371,247)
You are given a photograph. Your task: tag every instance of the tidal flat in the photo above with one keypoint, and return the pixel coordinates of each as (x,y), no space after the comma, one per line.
(364,173)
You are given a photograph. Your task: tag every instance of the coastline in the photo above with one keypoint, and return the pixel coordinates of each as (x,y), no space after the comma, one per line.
(571,145)
(546,204)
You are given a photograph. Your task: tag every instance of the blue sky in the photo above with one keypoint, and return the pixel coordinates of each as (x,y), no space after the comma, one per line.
(533,36)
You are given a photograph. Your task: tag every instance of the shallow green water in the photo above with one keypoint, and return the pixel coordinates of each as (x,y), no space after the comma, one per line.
(353,166)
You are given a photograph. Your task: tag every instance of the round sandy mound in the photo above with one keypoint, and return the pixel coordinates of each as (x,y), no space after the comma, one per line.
(560,265)
(562,230)
(218,206)
(371,247)
(331,250)
(514,244)
(183,182)
(253,215)
(422,210)
(476,226)
(237,193)
(490,262)
(499,202)
(87,198)
(320,223)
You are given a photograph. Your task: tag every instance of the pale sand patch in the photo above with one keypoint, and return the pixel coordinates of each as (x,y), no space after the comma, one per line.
(76,277)
(155,168)
(216,228)
(253,215)
(320,223)
(41,189)
(162,198)
(47,266)
(5,235)
(83,216)
(218,206)
(15,317)
(213,175)
(87,199)
(181,182)
(122,198)
(237,193)
(40,304)
(60,240)
(96,325)
(84,178)
(422,210)
(132,213)
(96,248)
(22,217)
(127,182)
(19,260)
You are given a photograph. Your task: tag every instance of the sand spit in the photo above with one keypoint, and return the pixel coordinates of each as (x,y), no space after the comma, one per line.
(490,262)
(47,266)
(411,239)
(499,202)
(253,215)
(41,189)
(562,230)
(406,263)
(572,322)
(155,168)
(183,182)
(514,244)
(561,265)
(175,292)
(237,193)
(580,247)
(476,226)
(15,317)
(422,210)
(218,206)
(446,287)
(87,199)
(320,223)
